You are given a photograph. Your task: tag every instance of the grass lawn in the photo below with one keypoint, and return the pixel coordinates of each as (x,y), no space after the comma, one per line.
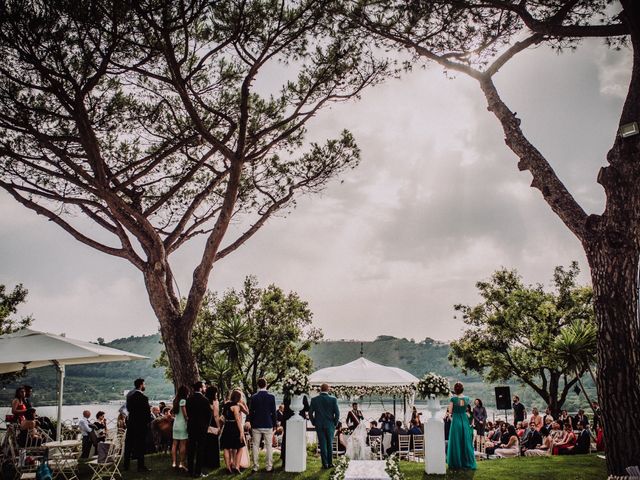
(582,467)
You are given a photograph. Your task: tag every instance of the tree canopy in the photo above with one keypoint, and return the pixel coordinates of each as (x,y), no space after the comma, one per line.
(160,121)
(513,333)
(241,336)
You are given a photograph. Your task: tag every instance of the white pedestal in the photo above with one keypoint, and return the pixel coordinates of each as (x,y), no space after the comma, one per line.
(296,445)
(435,461)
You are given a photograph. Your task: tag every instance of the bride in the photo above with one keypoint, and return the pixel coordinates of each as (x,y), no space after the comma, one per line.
(357,448)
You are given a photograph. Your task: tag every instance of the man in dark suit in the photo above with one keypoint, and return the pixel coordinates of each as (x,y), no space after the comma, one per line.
(198,419)
(325,415)
(137,425)
(578,420)
(395,443)
(262,416)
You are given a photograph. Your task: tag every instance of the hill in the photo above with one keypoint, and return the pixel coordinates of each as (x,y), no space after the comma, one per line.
(102,382)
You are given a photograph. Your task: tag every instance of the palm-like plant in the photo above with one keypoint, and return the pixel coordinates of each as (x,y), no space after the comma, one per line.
(576,347)
(232,335)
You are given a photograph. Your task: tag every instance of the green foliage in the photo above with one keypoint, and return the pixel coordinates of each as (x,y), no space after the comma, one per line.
(9,303)
(513,332)
(252,333)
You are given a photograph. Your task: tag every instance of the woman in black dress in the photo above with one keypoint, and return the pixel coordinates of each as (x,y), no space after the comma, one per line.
(232,439)
(212,443)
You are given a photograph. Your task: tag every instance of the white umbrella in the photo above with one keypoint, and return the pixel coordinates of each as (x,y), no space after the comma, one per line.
(362,372)
(32,349)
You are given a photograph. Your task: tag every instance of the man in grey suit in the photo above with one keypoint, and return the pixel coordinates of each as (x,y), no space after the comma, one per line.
(325,415)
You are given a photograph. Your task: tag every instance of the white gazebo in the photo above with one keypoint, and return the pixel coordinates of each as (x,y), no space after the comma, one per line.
(363,377)
(32,349)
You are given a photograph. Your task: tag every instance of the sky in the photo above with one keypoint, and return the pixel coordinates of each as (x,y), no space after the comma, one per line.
(436,204)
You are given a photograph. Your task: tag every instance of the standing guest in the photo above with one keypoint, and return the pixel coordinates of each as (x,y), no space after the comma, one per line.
(479,418)
(519,412)
(342,442)
(596,415)
(100,426)
(262,415)
(212,442)
(511,448)
(198,419)
(137,425)
(232,439)
(460,454)
(325,415)
(536,418)
(354,417)
(28,390)
(180,435)
(18,405)
(88,435)
(280,415)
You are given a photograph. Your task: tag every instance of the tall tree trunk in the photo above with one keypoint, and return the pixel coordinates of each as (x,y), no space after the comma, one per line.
(615,284)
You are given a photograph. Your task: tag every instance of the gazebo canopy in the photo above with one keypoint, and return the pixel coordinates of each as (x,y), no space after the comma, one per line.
(363,377)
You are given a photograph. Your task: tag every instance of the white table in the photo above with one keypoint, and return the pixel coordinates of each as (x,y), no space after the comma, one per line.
(366,470)
(63,458)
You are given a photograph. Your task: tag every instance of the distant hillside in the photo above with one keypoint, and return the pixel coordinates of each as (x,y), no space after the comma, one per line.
(102,382)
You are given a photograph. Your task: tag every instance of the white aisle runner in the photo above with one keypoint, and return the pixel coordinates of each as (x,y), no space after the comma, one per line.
(366,470)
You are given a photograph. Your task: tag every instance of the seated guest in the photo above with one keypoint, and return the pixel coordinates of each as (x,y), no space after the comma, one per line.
(512,447)
(541,450)
(578,420)
(415,428)
(100,426)
(373,430)
(520,429)
(155,412)
(536,418)
(546,429)
(564,418)
(531,439)
(569,440)
(386,422)
(499,437)
(28,433)
(583,444)
(88,435)
(395,446)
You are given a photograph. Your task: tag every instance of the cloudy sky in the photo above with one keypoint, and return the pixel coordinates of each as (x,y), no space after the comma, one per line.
(436,205)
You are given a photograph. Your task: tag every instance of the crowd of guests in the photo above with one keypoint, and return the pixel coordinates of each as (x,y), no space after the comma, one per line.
(534,435)
(30,424)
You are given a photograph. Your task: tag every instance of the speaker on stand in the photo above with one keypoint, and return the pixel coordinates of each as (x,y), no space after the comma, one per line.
(503,400)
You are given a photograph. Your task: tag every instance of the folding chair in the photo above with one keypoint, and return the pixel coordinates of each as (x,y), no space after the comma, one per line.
(417,451)
(404,446)
(110,466)
(335,450)
(375,443)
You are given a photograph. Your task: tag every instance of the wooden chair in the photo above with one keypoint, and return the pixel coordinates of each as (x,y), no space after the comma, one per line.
(417,451)
(335,450)
(375,443)
(404,446)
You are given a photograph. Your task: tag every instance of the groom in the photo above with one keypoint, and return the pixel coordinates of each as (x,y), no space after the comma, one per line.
(325,415)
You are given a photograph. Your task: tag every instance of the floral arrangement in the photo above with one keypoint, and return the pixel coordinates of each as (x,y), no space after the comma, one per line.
(340,468)
(392,467)
(295,383)
(433,385)
(358,391)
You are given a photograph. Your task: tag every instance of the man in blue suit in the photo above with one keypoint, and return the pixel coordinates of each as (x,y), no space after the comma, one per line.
(325,415)
(262,416)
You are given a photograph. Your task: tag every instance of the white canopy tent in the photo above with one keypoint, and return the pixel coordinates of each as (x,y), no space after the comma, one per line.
(363,377)
(32,349)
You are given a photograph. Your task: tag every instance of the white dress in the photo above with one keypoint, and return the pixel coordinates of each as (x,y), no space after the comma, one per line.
(357,448)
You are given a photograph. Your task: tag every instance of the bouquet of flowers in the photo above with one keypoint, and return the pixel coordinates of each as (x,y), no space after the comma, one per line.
(296,383)
(433,385)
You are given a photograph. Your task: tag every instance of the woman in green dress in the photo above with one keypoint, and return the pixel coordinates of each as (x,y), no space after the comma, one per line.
(460,454)
(179,447)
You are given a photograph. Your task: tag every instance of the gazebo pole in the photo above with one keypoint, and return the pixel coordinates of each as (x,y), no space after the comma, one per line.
(394,406)
(60,370)
(404,406)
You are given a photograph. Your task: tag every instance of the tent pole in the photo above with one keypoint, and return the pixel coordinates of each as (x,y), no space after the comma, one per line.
(60,370)
(394,407)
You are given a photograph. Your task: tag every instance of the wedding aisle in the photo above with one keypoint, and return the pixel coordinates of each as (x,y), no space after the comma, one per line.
(366,470)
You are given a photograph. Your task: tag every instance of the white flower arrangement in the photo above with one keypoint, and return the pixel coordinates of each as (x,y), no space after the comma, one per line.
(433,385)
(358,391)
(340,468)
(295,383)
(392,467)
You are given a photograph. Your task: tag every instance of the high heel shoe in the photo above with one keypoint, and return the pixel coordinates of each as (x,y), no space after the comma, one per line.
(237,470)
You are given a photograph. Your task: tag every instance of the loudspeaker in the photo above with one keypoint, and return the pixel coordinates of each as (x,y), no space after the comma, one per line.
(503,398)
